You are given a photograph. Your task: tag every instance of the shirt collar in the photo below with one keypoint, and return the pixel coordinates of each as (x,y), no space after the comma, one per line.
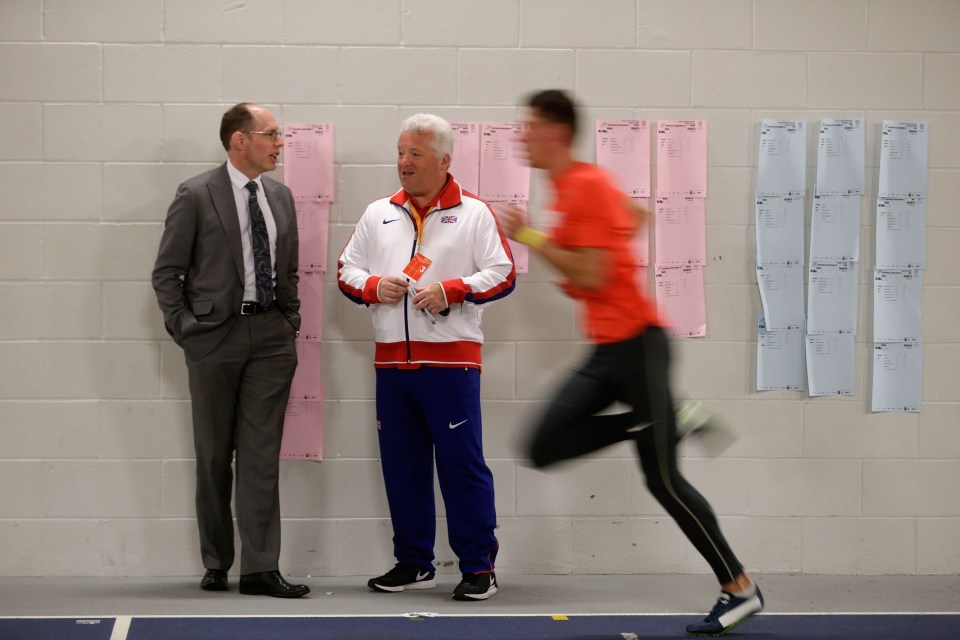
(239,181)
(569,169)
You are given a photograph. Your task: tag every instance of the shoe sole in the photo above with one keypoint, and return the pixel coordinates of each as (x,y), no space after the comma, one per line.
(413,586)
(467,597)
(725,631)
(714,439)
(730,628)
(297,594)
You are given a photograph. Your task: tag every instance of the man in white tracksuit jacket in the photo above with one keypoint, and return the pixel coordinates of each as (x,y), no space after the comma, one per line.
(426,259)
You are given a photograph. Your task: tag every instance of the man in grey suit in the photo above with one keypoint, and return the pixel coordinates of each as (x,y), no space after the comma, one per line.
(226,281)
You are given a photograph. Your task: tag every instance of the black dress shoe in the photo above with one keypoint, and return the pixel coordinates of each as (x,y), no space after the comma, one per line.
(271,583)
(214,580)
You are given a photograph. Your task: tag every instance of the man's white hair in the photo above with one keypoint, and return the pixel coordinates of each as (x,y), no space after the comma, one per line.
(429,123)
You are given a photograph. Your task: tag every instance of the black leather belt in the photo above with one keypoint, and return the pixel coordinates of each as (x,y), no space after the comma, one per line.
(253,308)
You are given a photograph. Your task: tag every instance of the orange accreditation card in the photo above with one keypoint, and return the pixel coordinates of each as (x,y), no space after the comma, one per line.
(417,266)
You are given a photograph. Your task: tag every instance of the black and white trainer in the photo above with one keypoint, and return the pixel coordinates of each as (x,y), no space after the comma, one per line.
(696,422)
(402,577)
(729,611)
(476,586)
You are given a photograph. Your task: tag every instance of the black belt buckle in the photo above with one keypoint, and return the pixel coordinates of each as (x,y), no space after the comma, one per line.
(253,308)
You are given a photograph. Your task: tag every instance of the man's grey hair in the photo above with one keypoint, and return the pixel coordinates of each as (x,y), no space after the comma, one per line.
(429,123)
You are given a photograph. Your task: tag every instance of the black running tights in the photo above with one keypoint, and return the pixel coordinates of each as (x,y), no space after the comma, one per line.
(634,372)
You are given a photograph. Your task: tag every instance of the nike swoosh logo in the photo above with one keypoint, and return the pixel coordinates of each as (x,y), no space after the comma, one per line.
(454,426)
(421,576)
(385,221)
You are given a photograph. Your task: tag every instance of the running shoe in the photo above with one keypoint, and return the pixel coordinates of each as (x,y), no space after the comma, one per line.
(694,420)
(727,613)
(402,577)
(476,586)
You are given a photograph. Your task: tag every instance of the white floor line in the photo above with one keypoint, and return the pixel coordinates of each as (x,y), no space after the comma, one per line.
(124,620)
(121,627)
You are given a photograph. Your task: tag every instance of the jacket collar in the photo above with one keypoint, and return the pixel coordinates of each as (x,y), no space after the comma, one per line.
(450,196)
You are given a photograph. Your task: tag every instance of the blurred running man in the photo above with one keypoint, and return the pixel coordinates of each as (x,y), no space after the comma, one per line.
(590,247)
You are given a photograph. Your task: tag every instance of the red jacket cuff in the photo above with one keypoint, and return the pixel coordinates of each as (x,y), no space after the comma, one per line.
(369,294)
(456,290)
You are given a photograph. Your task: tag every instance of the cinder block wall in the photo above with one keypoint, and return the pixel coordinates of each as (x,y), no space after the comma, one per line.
(105,106)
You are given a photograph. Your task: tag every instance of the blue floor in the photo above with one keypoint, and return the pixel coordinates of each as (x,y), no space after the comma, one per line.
(56,628)
(599,627)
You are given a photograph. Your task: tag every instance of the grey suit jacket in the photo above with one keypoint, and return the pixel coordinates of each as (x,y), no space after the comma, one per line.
(198,276)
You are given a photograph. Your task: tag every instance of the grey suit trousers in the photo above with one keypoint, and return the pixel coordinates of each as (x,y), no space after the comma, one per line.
(239,393)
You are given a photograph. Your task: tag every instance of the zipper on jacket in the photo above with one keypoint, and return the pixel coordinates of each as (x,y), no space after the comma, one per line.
(406,296)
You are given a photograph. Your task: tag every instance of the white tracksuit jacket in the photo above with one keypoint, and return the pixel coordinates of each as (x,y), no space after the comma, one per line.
(470,259)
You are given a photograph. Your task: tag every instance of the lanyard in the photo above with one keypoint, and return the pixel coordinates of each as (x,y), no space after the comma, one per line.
(419,220)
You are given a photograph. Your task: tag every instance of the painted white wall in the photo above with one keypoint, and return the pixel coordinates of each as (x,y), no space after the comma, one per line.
(106,105)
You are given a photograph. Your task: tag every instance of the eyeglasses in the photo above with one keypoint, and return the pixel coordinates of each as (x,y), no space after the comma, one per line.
(274,135)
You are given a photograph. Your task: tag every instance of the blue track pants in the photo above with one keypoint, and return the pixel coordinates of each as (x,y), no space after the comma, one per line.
(427,414)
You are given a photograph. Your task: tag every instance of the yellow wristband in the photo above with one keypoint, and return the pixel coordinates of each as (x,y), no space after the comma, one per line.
(530,237)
